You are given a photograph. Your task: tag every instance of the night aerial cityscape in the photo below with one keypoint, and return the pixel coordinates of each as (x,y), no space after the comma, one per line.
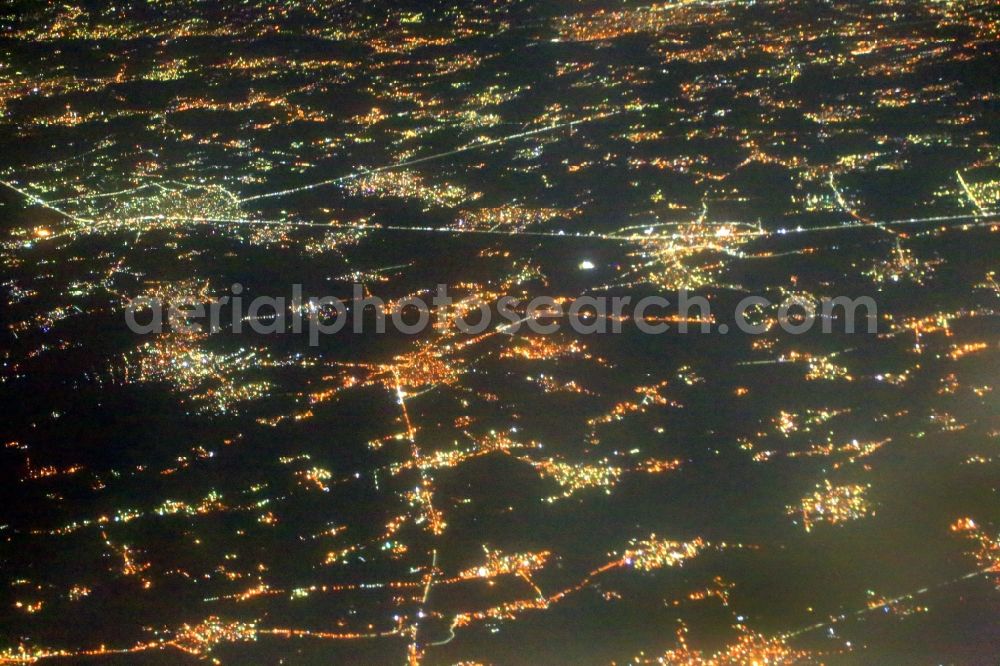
(714,383)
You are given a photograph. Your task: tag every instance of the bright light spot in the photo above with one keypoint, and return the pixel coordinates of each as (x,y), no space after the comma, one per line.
(586,265)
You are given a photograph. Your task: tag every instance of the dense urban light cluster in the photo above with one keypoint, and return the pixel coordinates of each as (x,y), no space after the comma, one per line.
(833,504)
(654,553)
(750,647)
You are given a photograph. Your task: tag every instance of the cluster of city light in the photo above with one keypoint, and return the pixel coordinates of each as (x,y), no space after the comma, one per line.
(500,564)
(410,185)
(750,647)
(654,553)
(506,218)
(833,504)
(211,380)
(987,551)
